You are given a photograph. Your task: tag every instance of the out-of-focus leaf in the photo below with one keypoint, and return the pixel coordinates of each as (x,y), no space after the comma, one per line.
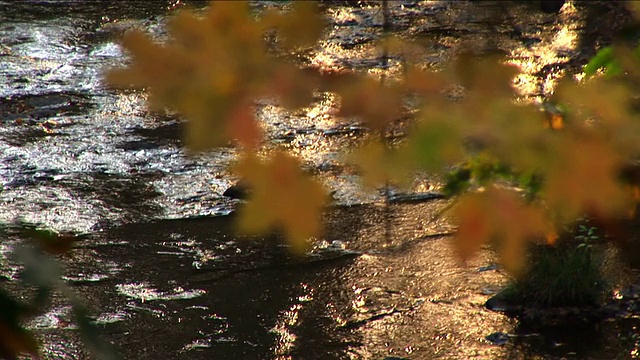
(502,217)
(14,339)
(425,83)
(474,225)
(300,28)
(282,197)
(486,168)
(605,100)
(243,127)
(212,67)
(374,159)
(434,144)
(604,58)
(294,86)
(483,77)
(377,104)
(584,178)
(39,269)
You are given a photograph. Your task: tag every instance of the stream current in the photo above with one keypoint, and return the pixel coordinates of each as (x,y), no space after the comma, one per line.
(160,267)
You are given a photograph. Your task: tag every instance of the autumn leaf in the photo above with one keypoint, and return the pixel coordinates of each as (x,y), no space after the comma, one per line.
(294,86)
(501,217)
(303,29)
(483,77)
(243,127)
(374,159)
(16,341)
(282,197)
(212,67)
(424,83)
(474,225)
(375,103)
(600,99)
(584,178)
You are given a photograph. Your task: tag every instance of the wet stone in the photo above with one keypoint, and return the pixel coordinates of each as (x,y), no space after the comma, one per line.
(42,106)
(498,338)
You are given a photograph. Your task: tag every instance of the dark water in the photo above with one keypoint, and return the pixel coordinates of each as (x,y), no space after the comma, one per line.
(163,273)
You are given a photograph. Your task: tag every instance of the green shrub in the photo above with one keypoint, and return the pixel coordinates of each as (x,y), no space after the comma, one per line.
(568,273)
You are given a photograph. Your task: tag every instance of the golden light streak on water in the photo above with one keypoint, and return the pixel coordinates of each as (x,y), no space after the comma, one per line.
(531,60)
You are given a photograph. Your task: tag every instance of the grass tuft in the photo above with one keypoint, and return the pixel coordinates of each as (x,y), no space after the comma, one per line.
(568,273)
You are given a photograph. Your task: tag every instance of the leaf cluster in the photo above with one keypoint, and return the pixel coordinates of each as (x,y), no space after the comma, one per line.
(568,161)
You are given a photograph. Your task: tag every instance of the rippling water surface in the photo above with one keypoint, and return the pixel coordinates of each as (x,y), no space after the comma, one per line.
(160,267)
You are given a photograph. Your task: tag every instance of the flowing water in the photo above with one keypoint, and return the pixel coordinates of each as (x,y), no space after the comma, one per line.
(159,265)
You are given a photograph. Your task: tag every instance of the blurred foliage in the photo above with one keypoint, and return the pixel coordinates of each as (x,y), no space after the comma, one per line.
(215,66)
(14,338)
(41,276)
(282,196)
(519,173)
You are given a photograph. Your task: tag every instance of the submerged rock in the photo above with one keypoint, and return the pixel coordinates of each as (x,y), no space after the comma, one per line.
(239,190)
(498,338)
(500,303)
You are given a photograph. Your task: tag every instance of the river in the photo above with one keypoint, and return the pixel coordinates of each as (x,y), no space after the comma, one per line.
(159,265)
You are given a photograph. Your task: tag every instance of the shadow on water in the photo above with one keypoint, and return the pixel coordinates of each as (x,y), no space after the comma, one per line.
(577,339)
(199,291)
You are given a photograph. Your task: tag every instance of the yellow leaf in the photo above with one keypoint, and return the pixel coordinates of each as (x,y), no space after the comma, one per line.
(374,102)
(282,197)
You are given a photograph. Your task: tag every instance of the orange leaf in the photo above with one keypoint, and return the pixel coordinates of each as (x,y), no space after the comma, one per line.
(474,225)
(583,178)
(243,126)
(282,197)
(501,217)
(376,103)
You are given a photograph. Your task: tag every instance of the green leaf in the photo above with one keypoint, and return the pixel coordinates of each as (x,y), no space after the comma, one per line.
(100,348)
(605,58)
(457,181)
(39,269)
(432,145)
